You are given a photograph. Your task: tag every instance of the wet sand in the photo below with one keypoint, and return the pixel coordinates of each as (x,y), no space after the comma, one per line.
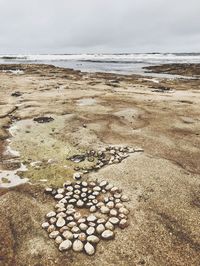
(91,111)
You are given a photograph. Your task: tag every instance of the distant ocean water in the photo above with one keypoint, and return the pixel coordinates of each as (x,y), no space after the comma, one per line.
(113,63)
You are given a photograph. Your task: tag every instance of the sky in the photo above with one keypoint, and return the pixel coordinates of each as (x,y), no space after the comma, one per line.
(99,26)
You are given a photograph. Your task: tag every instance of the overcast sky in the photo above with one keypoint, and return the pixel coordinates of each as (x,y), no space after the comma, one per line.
(79,26)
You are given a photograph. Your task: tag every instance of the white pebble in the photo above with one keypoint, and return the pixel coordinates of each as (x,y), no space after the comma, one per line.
(65,245)
(77,246)
(89,249)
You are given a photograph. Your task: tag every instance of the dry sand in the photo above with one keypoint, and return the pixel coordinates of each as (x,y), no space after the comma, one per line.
(163,182)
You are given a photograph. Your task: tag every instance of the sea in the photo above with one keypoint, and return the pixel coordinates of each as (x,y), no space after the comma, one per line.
(125,63)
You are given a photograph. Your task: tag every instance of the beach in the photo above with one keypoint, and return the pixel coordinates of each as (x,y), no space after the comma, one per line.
(155,115)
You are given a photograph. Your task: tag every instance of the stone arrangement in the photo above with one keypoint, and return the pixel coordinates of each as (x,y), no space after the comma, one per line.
(85,213)
(106,156)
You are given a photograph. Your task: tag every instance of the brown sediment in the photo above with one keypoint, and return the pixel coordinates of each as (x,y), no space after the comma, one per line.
(163,182)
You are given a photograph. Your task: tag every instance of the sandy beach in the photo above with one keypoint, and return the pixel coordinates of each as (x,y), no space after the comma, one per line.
(90,111)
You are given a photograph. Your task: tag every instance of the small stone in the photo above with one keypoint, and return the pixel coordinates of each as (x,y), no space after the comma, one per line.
(58,240)
(124,210)
(119,205)
(67,183)
(77,197)
(94,201)
(108,187)
(45,225)
(84,184)
(84,189)
(70,207)
(54,234)
(72,201)
(110,204)
(81,220)
(109,226)
(76,236)
(122,216)
(77,246)
(69,193)
(67,235)
(70,188)
(117,201)
(70,211)
(82,237)
(64,228)
(90,230)
(48,190)
(77,192)
(93,209)
(75,229)
(91,218)
(89,249)
(97,188)
(95,193)
(92,184)
(65,245)
(52,220)
(123,223)
(77,215)
(106,199)
(113,212)
(80,203)
(51,214)
(60,222)
(104,210)
(51,228)
(114,189)
(124,198)
(83,195)
(83,227)
(61,214)
(58,196)
(103,183)
(114,220)
(77,176)
(100,204)
(60,205)
(71,224)
(101,221)
(107,234)
(91,197)
(92,224)
(138,150)
(70,218)
(117,195)
(100,228)
(60,190)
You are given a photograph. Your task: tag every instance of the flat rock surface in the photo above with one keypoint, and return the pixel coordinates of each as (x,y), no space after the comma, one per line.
(163,182)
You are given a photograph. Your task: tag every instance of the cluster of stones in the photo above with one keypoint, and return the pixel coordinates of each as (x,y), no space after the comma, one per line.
(85,213)
(106,156)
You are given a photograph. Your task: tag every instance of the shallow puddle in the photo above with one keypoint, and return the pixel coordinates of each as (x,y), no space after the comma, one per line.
(10,178)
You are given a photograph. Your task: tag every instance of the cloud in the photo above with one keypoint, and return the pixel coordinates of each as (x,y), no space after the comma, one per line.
(64,26)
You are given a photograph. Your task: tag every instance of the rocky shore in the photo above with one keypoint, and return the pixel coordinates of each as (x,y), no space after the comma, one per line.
(191,70)
(66,136)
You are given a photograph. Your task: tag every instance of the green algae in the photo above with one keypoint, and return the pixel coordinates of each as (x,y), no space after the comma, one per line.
(47,144)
